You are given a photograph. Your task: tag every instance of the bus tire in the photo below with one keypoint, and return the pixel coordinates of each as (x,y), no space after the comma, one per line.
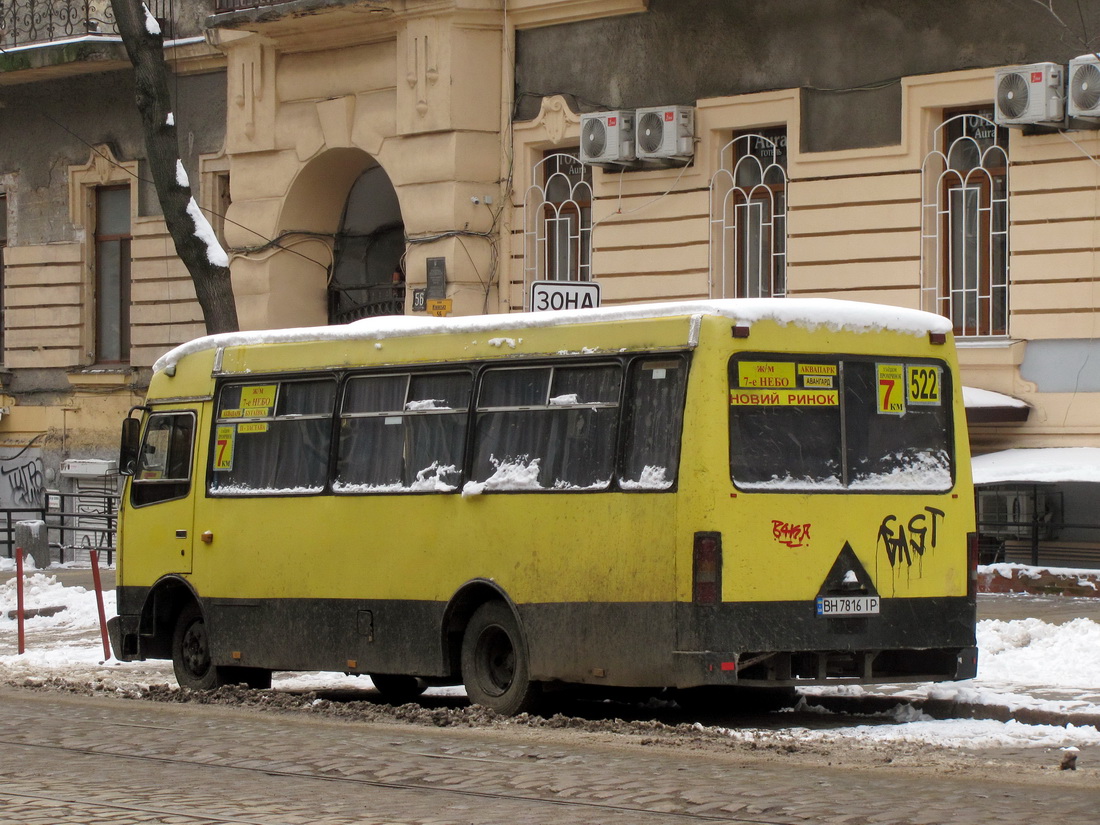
(191,651)
(397,688)
(494,662)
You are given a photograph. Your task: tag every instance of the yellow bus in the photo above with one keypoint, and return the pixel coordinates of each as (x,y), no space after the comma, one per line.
(719,493)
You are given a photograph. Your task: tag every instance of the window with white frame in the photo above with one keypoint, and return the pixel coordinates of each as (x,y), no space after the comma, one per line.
(748,217)
(964,224)
(557,220)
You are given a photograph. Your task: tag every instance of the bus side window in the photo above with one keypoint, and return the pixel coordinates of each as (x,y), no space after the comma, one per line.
(403,433)
(273,438)
(163,471)
(547,428)
(652,420)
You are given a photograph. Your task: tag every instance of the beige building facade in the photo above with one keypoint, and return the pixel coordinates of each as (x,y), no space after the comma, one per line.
(374,156)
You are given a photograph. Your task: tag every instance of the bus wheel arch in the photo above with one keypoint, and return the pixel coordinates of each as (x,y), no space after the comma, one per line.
(174,617)
(482,625)
(166,600)
(460,609)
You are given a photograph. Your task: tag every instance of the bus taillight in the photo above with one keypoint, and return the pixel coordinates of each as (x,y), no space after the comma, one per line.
(972,551)
(707,568)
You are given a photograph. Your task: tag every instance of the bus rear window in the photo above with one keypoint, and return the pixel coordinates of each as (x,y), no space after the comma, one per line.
(840,422)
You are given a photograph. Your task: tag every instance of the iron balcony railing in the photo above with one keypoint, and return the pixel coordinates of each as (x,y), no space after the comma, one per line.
(223,6)
(40,22)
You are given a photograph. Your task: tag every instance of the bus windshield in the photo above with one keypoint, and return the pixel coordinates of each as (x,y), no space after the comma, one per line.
(840,422)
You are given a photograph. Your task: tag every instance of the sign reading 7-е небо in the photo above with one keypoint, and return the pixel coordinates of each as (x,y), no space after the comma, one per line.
(548,295)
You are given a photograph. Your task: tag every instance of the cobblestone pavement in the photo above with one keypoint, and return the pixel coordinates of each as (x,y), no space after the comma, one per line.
(73,759)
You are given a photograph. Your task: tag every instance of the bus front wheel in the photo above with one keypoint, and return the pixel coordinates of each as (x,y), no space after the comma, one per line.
(191,651)
(494,662)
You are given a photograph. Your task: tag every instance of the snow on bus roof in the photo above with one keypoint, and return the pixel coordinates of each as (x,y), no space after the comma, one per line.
(810,313)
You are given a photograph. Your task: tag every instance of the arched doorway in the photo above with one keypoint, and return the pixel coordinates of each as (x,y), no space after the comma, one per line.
(368,273)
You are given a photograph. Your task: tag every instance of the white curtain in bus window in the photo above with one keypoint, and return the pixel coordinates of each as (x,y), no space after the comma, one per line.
(652,420)
(403,433)
(841,423)
(164,462)
(273,437)
(547,427)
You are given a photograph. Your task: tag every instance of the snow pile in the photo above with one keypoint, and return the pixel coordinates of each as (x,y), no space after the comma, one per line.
(911,726)
(518,474)
(1027,571)
(1031,652)
(976,398)
(1038,464)
(63,643)
(652,478)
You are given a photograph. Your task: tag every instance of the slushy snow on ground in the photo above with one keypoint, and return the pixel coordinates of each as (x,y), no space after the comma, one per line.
(1025,663)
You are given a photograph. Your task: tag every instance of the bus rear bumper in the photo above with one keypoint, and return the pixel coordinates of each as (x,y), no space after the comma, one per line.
(825,667)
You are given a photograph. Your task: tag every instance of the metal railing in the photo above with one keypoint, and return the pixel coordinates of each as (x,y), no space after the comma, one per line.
(31,22)
(75,523)
(1039,542)
(224,6)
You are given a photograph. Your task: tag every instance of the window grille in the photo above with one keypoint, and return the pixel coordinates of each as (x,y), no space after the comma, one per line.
(964,225)
(748,217)
(557,222)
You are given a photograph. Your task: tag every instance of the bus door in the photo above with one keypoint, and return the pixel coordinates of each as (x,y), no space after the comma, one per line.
(160,516)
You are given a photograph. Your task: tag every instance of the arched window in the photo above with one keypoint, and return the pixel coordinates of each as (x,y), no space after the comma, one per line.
(964,225)
(748,217)
(557,220)
(368,275)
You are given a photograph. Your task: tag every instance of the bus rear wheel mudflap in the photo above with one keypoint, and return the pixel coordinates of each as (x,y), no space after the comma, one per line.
(398,688)
(494,662)
(191,660)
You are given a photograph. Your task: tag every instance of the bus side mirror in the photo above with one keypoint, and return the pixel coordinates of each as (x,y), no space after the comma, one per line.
(128,449)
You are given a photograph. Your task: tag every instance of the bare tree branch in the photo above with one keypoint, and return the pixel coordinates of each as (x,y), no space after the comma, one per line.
(194,239)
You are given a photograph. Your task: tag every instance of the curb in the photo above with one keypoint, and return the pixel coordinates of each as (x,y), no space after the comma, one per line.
(1038,581)
(946,709)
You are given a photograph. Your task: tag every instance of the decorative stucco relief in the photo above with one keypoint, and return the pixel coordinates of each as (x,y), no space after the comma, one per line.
(252,96)
(423,93)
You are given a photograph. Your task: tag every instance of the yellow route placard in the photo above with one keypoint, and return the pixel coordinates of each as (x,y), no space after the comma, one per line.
(783,398)
(891,390)
(766,374)
(223,446)
(922,384)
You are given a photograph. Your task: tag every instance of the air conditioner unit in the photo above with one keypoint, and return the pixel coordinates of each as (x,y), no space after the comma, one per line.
(666,133)
(88,467)
(607,138)
(1083,94)
(1029,95)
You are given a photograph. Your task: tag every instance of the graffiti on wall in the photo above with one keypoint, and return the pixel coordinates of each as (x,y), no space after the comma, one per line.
(22,482)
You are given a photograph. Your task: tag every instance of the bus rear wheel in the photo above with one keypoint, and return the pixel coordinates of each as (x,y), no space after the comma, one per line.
(397,688)
(191,652)
(494,662)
